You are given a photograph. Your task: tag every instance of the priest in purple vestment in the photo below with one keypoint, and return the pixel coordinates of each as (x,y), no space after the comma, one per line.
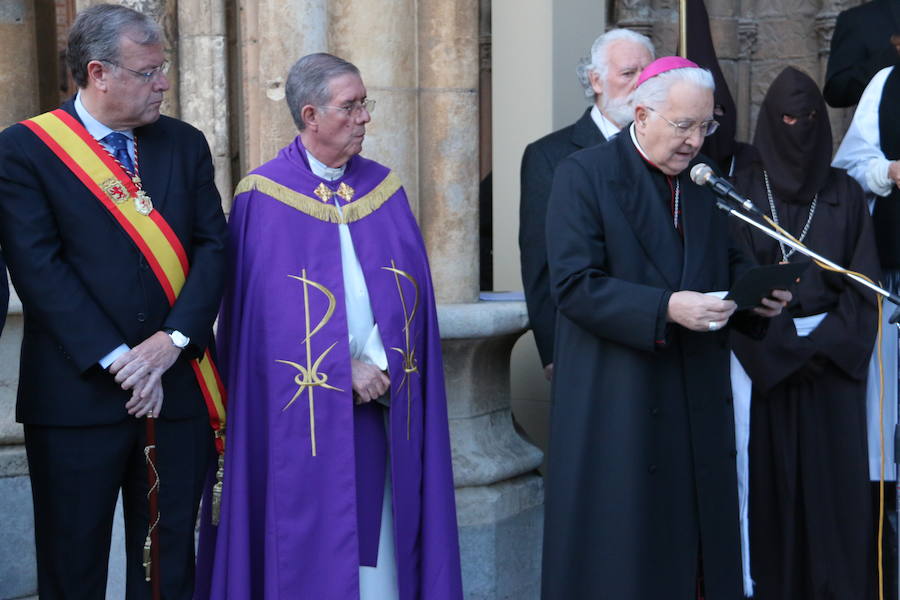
(337,472)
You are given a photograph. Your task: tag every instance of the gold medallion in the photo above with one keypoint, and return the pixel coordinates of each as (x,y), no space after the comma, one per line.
(142,203)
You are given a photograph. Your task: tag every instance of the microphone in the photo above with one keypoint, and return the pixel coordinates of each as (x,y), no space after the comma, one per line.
(702,174)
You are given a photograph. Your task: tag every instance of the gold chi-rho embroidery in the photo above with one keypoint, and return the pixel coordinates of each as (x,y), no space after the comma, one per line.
(308,377)
(410,364)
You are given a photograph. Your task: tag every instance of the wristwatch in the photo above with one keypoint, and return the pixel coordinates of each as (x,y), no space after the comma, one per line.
(179,339)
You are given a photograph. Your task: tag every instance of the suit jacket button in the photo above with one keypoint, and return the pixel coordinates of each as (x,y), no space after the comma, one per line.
(141,317)
(651,469)
(733,454)
(654,411)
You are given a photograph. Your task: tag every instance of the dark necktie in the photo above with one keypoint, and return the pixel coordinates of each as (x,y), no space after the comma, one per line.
(119,144)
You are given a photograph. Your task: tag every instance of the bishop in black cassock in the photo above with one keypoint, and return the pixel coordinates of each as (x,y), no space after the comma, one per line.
(642,483)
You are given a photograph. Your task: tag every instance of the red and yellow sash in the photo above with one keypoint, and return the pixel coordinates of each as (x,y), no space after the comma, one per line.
(162,249)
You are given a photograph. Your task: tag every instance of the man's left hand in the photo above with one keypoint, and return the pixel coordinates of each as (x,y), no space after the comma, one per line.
(772,306)
(149,405)
(143,366)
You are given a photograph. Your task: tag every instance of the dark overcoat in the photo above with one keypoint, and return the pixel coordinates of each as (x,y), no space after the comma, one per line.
(860,47)
(642,451)
(538,164)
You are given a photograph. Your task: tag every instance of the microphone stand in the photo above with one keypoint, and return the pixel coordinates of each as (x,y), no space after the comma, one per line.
(891,297)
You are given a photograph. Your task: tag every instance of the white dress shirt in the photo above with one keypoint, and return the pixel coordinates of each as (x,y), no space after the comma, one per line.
(365,340)
(98,130)
(606,127)
(860,151)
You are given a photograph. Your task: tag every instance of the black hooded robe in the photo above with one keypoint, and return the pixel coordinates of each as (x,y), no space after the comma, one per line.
(810,507)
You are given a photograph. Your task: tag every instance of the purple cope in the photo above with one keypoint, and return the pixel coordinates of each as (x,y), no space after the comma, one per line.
(304,466)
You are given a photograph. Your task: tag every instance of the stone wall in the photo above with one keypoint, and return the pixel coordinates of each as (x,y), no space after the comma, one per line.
(755,40)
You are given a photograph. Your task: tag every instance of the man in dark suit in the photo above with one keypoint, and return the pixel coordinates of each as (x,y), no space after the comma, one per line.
(866,39)
(617,58)
(114,234)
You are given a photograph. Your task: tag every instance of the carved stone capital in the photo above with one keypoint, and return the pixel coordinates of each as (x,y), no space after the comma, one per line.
(824,25)
(747,34)
(635,15)
(484,52)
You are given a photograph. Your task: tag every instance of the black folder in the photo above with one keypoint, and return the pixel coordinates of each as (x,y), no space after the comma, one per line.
(758,283)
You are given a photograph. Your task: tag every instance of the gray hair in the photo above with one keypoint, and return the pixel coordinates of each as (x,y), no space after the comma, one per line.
(309,82)
(96,35)
(655,91)
(598,63)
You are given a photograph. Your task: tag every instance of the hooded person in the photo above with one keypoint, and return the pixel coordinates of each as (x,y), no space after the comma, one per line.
(810,513)
(728,154)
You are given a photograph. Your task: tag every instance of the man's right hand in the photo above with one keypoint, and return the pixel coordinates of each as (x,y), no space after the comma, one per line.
(699,312)
(895,42)
(369,382)
(548,372)
(894,172)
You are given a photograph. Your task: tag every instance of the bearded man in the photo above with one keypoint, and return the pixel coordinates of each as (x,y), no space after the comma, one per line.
(617,58)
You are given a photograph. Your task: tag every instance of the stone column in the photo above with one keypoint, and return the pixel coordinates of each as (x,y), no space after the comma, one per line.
(272,35)
(747,29)
(499,497)
(18,62)
(448,144)
(204,81)
(18,100)
(379,37)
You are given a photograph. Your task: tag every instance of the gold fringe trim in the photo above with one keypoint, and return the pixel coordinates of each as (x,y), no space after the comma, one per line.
(354,211)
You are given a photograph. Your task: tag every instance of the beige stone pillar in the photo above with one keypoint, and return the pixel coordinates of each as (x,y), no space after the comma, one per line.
(272,35)
(747,34)
(379,37)
(18,62)
(448,144)
(19,99)
(204,81)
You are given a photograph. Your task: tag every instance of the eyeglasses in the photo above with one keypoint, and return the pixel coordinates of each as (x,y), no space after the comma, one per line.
(146,76)
(355,108)
(686,128)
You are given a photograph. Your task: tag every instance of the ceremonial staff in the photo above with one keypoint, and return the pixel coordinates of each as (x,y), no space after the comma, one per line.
(682,28)
(151,544)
